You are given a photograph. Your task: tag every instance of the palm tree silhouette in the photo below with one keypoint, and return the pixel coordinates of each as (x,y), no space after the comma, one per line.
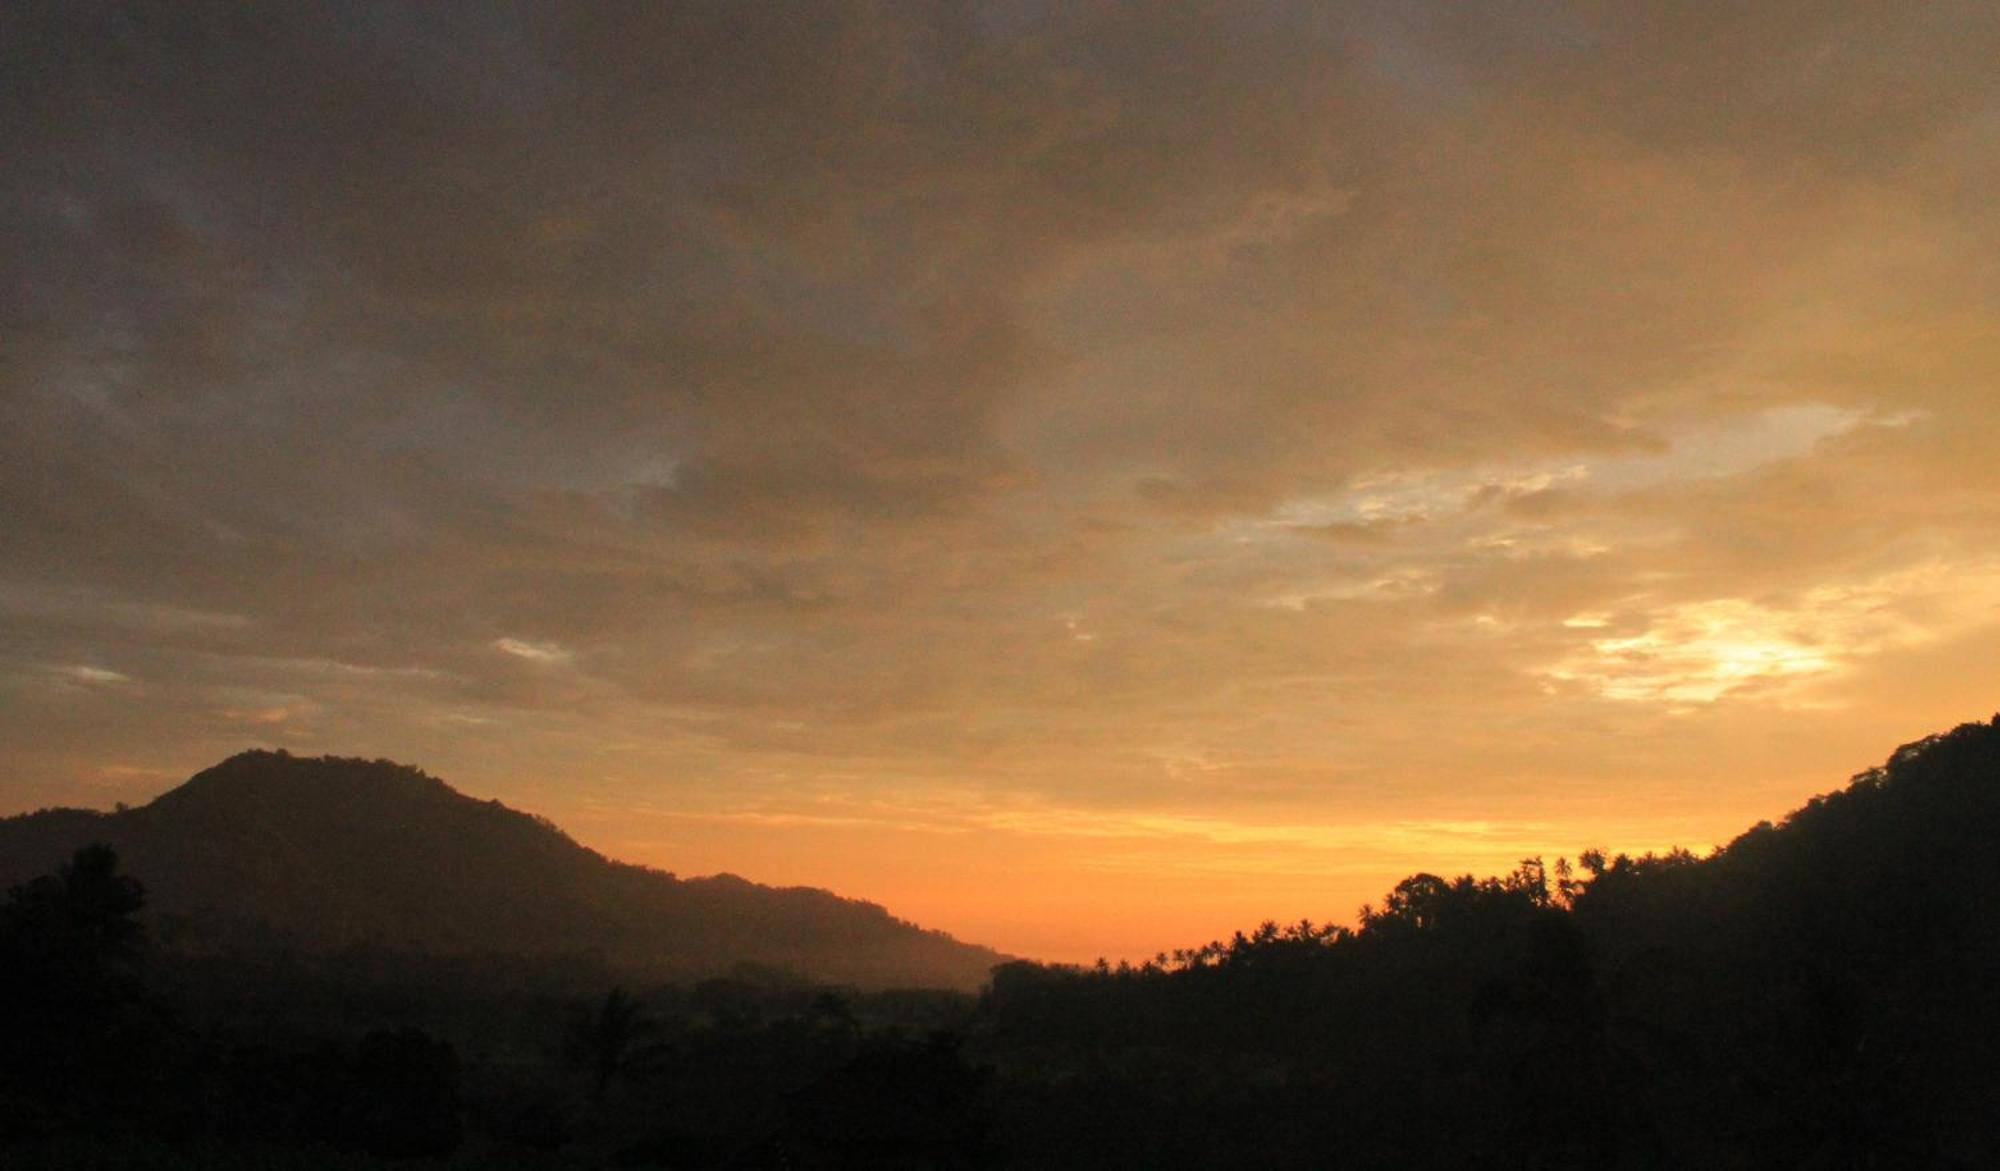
(613,1041)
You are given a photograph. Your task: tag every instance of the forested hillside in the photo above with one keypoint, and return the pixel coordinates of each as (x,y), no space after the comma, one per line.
(1816,994)
(329,852)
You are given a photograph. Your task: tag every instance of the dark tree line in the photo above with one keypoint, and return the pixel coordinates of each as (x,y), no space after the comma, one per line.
(93,1051)
(121,1054)
(1818,994)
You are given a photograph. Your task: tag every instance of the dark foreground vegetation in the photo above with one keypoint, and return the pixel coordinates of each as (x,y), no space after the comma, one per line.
(1820,993)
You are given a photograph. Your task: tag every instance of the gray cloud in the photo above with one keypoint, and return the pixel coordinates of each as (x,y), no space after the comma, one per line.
(1129,408)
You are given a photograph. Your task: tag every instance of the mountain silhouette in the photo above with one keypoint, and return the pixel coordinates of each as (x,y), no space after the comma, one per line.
(332,851)
(1816,993)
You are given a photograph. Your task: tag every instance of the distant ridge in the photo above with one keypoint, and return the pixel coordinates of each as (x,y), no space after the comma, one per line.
(1817,993)
(332,851)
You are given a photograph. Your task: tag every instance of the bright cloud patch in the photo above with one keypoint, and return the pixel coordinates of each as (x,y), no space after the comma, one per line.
(1703,451)
(539,652)
(88,674)
(1698,653)
(1702,652)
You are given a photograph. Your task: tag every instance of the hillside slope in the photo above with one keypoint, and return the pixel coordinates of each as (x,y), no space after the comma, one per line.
(1818,993)
(332,851)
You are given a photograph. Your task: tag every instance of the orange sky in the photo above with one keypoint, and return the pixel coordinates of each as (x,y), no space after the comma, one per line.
(1086,477)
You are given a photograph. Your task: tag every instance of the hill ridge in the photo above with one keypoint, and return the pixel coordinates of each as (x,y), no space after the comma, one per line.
(335,850)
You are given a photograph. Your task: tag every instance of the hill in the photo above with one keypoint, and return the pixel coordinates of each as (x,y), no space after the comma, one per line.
(333,851)
(1818,993)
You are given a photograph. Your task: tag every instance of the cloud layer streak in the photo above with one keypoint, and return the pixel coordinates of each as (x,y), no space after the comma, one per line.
(1354,416)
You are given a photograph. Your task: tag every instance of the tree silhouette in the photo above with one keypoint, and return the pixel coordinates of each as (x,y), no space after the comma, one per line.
(615,1040)
(1816,993)
(71,998)
(80,919)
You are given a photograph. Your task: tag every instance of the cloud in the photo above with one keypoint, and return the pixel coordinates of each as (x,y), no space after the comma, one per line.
(1012,400)
(85,673)
(1704,652)
(534,652)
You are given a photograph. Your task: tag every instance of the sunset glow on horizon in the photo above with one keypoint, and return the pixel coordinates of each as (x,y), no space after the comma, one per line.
(1090,478)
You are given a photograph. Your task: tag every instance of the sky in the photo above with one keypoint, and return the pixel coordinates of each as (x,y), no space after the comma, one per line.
(1089,477)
